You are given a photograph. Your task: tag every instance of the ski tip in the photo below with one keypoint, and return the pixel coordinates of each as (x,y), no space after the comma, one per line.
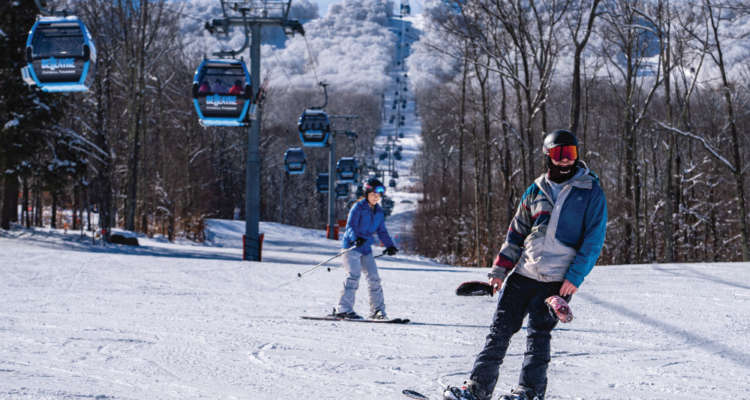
(414,395)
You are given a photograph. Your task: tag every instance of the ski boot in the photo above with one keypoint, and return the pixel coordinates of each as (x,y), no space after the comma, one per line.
(521,393)
(345,315)
(379,315)
(467,392)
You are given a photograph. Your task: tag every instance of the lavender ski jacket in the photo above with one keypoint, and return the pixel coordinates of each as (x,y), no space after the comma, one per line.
(553,241)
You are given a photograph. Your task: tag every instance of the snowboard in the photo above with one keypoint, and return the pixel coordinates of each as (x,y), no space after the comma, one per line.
(414,395)
(375,321)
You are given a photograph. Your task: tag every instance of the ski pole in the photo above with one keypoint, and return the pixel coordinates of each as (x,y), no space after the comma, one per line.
(337,255)
(331,269)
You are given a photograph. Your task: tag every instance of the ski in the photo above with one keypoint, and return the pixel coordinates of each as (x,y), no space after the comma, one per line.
(376,321)
(414,395)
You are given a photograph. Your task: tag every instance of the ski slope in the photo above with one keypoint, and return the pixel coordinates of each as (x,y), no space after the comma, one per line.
(181,321)
(407,193)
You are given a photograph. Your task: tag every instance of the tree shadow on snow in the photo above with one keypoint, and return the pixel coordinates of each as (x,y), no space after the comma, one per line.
(706,344)
(700,275)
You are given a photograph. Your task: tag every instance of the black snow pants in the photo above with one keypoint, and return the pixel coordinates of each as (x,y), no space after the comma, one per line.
(521,296)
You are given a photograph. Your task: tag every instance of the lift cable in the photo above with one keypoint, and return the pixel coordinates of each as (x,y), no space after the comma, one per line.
(312,59)
(281,65)
(183,15)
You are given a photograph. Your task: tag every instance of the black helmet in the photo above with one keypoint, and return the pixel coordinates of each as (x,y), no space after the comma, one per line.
(374,185)
(560,137)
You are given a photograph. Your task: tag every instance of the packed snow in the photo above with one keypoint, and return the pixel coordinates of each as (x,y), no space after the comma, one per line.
(164,321)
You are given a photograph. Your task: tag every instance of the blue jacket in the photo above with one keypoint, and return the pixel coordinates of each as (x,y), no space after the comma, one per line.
(363,222)
(551,241)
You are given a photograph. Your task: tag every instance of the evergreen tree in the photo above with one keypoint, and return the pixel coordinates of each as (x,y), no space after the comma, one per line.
(26,114)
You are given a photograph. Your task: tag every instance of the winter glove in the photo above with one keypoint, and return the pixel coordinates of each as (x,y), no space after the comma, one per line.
(474,288)
(559,309)
(360,242)
(391,251)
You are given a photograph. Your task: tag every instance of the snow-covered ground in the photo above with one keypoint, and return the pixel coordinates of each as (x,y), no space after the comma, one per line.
(166,321)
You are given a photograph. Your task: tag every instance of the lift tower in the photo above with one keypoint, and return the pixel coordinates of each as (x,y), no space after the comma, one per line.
(255,15)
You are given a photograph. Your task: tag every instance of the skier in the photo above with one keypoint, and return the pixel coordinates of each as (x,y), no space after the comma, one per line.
(365,218)
(553,242)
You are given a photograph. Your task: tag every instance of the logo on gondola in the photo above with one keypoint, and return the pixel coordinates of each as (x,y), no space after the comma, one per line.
(217,100)
(53,63)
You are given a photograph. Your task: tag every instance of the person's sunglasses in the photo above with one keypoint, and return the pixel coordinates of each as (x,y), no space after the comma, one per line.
(561,152)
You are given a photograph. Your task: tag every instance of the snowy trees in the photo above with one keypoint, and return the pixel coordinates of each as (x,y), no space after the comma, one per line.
(27,119)
(658,124)
(132,148)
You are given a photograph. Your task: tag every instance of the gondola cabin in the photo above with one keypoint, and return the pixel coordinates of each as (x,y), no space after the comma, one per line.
(346,170)
(397,155)
(314,128)
(321,183)
(222,92)
(342,190)
(60,55)
(295,161)
(395,174)
(383,156)
(392,183)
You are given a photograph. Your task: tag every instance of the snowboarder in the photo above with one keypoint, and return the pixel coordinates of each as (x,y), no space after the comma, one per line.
(365,218)
(553,242)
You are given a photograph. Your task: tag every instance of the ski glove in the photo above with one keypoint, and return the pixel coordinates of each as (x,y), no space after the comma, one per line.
(559,309)
(391,251)
(360,242)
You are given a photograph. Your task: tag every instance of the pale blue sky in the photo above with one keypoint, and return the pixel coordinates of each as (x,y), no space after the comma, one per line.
(323,5)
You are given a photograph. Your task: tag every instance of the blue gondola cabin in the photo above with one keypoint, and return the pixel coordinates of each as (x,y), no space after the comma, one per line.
(346,170)
(314,128)
(295,161)
(60,55)
(222,93)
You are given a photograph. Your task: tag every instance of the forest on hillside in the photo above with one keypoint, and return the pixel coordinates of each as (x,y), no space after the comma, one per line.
(131,148)
(657,92)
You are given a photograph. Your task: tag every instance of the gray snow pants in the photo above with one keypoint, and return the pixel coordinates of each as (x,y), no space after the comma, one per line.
(354,264)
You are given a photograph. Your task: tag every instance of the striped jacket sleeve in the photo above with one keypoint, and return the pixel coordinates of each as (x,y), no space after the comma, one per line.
(520,228)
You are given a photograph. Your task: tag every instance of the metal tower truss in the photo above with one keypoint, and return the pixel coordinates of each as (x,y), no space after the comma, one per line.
(252,16)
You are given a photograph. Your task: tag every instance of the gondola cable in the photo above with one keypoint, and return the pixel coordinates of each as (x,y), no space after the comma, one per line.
(281,65)
(312,59)
(183,15)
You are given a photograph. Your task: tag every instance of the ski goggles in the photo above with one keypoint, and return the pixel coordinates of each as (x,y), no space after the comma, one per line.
(561,152)
(380,189)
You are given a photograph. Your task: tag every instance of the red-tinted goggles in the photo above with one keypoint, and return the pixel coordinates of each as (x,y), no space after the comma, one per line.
(560,152)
